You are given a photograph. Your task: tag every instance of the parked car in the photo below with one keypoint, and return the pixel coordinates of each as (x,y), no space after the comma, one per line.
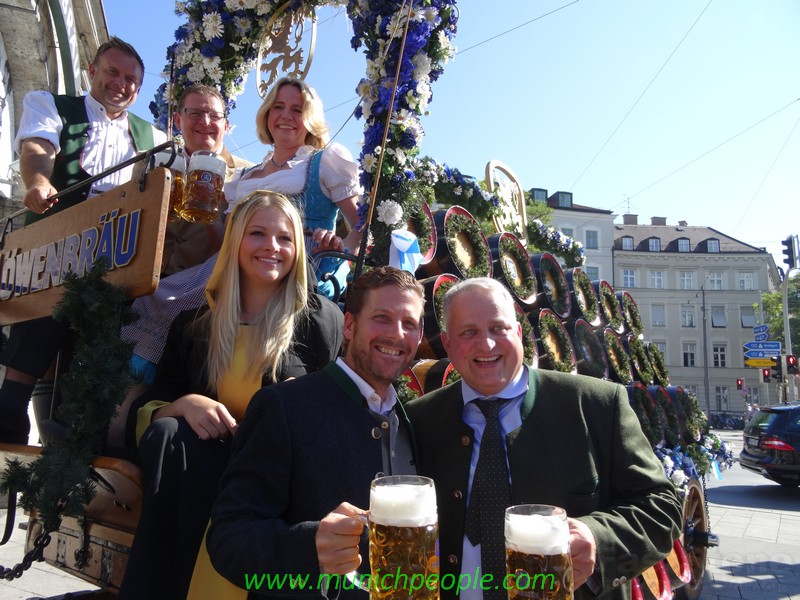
(772,444)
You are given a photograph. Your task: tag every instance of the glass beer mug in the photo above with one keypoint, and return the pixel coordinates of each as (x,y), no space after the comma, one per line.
(202,192)
(403,538)
(538,562)
(178,170)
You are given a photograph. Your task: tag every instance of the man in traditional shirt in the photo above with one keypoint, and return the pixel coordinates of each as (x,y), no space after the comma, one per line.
(61,141)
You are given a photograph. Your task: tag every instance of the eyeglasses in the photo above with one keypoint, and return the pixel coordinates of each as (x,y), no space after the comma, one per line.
(195,114)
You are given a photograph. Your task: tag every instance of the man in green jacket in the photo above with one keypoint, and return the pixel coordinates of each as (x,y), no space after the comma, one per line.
(565,440)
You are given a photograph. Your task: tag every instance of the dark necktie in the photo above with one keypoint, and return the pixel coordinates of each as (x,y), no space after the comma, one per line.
(489,498)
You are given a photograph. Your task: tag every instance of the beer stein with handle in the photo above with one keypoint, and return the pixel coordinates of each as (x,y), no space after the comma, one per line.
(178,170)
(202,193)
(403,538)
(538,562)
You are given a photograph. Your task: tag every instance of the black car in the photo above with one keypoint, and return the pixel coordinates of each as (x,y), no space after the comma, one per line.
(772,444)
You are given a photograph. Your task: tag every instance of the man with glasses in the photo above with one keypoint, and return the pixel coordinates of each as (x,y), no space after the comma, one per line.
(202,121)
(61,141)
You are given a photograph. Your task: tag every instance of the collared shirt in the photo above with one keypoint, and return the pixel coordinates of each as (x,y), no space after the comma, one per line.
(396,452)
(510,419)
(109,142)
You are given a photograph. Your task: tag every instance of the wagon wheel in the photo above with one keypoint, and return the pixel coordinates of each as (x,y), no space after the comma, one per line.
(695,540)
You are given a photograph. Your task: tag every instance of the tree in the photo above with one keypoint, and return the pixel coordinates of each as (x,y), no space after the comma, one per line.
(772,306)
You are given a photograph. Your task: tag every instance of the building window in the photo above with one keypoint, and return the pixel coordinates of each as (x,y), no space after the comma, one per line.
(628,278)
(654,244)
(718,318)
(715,280)
(538,194)
(657,315)
(683,245)
(748,316)
(745,281)
(567,231)
(627,242)
(689,350)
(564,199)
(591,239)
(720,358)
(713,246)
(721,397)
(687,316)
(657,280)
(686,280)
(663,347)
(593,273)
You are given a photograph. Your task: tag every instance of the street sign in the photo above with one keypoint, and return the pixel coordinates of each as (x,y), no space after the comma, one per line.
(758,354)
(760,329)
(761,337)
(774,347)
(759,362)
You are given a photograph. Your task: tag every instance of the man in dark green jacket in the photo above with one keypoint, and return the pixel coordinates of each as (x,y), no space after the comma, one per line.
(570,441)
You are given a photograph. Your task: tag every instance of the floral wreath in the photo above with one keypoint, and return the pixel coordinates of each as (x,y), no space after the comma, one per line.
(640,360)
(672,426)
(585,296)
(555,342)
(609,305)
(630,313)
(660,371)
(553,284)
(619,360)
(509,245)
(459,223)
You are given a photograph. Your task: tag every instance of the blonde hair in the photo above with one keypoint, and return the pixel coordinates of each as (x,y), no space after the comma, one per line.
(313,114)
(269,336)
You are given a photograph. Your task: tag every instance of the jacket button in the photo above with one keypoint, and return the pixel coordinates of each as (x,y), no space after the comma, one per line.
(457,494)
(452,559)
(385,425)
(376,433)
(465,441)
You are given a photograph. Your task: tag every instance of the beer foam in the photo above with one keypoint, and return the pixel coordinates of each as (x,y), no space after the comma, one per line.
(537,534)
(207,162)
(403,505)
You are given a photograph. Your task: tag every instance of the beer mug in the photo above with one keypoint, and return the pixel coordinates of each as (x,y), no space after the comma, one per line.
(538,563)
(403,538)
(178,170)
(202,192)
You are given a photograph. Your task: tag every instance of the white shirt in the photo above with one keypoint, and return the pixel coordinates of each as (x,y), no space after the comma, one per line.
(510,419)
(376,404)
(338,175)
(109,141)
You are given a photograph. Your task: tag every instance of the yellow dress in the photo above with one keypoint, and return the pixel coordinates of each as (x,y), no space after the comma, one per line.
(237,388)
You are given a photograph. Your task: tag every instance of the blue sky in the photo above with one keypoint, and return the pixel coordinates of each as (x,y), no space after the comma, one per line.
(686,109)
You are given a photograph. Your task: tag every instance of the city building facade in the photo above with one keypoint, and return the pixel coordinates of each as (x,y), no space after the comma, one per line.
(699,295)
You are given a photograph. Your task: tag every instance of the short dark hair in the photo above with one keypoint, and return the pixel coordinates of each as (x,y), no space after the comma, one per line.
(203,90)
(115,42)
(377,278)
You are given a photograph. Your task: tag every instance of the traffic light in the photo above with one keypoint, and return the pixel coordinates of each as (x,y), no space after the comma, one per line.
(777,369)
(765,375)
(739,384)
(791,365)
(790,258)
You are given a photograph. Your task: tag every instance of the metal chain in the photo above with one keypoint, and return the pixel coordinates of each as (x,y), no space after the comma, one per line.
(705,500)
(36,554)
